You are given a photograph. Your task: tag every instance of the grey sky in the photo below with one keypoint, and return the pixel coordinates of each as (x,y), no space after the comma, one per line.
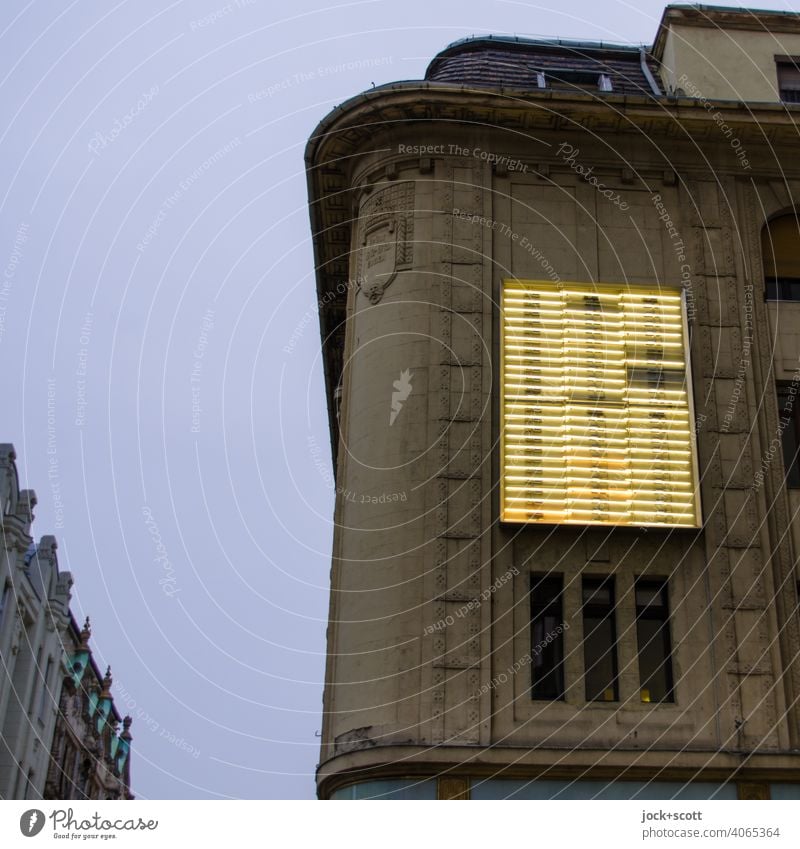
(154,222)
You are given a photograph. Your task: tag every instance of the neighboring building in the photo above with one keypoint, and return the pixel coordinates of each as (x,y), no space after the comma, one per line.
(89,759)
(42,652)
(34,615)
(559,290)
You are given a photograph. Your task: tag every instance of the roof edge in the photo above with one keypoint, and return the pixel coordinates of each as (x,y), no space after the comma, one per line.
(722,17)
(475,42)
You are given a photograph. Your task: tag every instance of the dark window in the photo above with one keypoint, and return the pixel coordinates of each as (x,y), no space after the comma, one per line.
(29,793)
(652,634)
(789,411)
(45,695)
(780,251)
(782,289)
(547,637)
(573,79)
(5,600)
(600,640)
(788,78)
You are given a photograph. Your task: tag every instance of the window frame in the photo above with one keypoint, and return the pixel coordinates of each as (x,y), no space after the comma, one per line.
(586,80)
(790,94)
(5,602)
(782,289)
(780,286)
(552,605)
(45,690)
(659,613)
(604,612)
(791,474)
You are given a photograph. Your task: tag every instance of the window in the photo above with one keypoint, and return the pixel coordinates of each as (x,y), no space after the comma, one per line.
(652,635)
(595,406)
(573,79)
(789,412)
(782,289)
(788,78)
(44,696)
(600,640)
(547,638)
(780,252)
(29,791)
(5,600)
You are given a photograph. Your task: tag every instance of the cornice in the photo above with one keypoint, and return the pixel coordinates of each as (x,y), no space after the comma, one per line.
(351,130)
(723,18)
(574,764)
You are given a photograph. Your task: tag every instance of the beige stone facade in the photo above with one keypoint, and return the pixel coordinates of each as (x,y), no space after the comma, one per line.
(425,196)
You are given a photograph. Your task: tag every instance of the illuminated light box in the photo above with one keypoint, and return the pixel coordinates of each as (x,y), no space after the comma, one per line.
(596,406)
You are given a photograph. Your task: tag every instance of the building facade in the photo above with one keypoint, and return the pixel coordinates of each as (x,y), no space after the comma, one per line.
(53,701)
(559,292)
(89,754)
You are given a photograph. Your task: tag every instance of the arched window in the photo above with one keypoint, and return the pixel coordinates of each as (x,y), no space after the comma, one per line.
(780,249)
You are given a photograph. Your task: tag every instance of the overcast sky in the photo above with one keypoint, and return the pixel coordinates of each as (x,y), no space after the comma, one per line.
(156,262)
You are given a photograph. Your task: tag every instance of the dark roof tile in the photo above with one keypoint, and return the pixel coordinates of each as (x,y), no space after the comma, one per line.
(490,63)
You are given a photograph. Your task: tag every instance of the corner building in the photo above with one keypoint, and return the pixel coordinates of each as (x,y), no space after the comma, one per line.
(559,289)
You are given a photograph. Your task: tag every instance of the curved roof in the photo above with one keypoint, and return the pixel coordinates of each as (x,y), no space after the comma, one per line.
(516,63)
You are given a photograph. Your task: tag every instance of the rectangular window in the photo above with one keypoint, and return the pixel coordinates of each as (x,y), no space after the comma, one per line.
(604,83)
(600,640)
(596,406)
(573,79)
(782,289)
(547,638)
(5,600)
(45,697)
(652,635)
(789,412)
(788,68)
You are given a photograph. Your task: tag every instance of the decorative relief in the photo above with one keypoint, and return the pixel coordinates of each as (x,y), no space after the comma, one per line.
(445,331)
(734,699)
(742,515)
(387,238)
(457,513)
(353,740)
(446,284)
(473,711)
(437,733)
(467,294)
(441,510)
(476,397)
(475,565)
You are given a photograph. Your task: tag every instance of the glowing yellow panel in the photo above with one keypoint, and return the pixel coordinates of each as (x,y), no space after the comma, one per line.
(596,406)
